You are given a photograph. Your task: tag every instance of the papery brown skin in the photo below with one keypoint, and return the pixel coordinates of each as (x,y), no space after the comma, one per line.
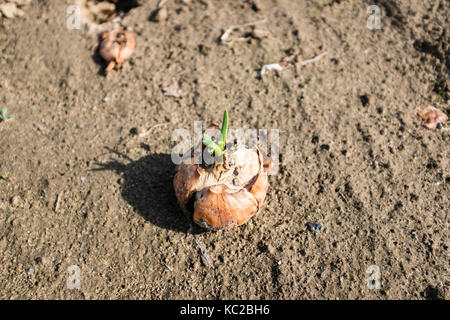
(221,205)
(431,117)
(115,48)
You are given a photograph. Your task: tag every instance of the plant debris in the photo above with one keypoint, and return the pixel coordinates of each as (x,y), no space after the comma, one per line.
(268,67)
(206,259)
(225,38)
(431,117)
(143,134)
(58,201)
(317,58)
(4,116)
(174,90)
(292,59)
(116,47)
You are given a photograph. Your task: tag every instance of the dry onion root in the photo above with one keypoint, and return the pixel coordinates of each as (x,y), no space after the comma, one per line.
(226,194)
(116,47)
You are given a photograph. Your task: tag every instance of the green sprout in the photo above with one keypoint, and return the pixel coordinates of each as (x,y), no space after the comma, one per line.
(4,115)
(5,176)
(217,148)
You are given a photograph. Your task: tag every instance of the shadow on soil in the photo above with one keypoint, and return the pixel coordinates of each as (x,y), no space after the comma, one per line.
(147,186)
(99,61)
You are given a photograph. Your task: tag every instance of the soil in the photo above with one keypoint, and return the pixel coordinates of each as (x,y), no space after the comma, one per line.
(87,190)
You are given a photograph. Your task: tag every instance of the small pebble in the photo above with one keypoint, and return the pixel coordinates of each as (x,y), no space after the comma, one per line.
(109,98)
(160,14)
(10,10)
(29,270)
(314,227)
(82,179)
(4,84)
(15,201)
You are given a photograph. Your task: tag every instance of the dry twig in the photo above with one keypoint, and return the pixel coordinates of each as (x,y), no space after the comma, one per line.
(224,38)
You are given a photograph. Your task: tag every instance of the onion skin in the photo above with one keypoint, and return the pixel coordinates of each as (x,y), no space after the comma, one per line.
(127,40)
(220,206)
(431,117)
(115,48)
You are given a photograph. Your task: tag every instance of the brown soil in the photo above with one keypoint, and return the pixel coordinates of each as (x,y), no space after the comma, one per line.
(84,190)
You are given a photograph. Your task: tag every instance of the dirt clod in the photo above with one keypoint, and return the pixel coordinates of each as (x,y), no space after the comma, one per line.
(160,14)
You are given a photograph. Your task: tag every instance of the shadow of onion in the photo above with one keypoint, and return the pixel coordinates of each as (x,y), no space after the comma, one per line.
(147,185)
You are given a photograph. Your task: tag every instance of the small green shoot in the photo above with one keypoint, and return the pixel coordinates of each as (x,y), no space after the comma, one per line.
(224,131)
(217,148)
(4,115)
(5,176)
